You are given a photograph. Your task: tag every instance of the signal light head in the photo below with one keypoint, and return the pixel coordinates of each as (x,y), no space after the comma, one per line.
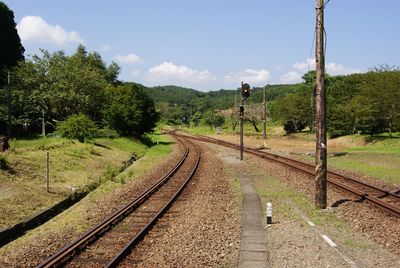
(245,90)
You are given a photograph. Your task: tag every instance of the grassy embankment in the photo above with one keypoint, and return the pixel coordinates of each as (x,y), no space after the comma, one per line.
(74,167)
(377,157)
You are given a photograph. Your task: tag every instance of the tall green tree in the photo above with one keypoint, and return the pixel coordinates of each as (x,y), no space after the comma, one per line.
(61,86)
(11,49)
(294,110)
(380,99)
(214,119)
(131,111)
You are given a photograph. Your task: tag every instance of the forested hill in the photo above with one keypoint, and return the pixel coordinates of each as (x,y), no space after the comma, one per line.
(174,94)
(219,100)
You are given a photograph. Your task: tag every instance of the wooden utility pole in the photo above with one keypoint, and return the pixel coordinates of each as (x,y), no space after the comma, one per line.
(9,128)
(43,125)
(264,116)
(321,145)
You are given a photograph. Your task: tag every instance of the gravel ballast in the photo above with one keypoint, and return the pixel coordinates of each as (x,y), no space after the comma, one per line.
(201,229)
(292,242)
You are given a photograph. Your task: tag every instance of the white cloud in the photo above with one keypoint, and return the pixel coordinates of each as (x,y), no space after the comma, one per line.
(130,58)
(338,69)
(105,47)
(303,66)
(36,29)
(331,68)
(169,72)
(291,78)
(251,76)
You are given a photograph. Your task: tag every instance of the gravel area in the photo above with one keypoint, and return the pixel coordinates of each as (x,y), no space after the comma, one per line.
(293,243)
(201,229)
(192,234)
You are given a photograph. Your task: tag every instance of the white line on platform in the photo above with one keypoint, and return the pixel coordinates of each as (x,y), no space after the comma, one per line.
(311,223)
(329,241)
(351,263)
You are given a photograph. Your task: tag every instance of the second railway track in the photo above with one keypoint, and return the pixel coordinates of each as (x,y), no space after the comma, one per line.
(385,200)
(109,242)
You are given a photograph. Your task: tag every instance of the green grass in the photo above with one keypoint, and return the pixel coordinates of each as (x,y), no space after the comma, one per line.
(281,196)
(379,158)
(73,166)
(124,144)
(382,146)
(382,167)
(75,220)
(227,129)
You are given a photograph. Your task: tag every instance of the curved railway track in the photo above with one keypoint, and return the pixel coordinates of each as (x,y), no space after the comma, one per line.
(390,202)
(107,243)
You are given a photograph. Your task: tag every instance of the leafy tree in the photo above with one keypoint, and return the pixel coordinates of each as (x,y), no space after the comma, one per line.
(253,114)
(342,118)
(234,115)
(380,99)
(310,77)
(11,49)
(213,119)
(196,119)
(79,127)
(131,111)
(294,110)
(59,85)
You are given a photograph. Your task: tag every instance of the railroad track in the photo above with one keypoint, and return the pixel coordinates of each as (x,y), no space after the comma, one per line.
(109,242)
(390,202)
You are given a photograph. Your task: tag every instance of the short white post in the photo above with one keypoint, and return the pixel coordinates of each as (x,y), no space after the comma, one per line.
(269,213)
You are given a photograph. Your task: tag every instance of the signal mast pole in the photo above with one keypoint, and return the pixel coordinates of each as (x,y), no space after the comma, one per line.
(241,116)
(321,144)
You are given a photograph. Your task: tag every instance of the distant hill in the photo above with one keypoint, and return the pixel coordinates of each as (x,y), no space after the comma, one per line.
(219,100)
(174,94)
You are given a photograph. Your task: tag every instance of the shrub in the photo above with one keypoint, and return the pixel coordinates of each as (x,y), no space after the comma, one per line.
(79,127)
(3,162)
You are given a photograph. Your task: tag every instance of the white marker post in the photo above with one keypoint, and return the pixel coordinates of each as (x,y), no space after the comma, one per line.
(269,213)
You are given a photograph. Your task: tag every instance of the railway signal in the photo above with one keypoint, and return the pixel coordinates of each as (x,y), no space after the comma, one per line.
(245,94)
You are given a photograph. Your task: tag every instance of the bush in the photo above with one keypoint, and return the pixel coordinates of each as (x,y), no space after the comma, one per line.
(3,162)
(79,127)
(292,127)
(108,133)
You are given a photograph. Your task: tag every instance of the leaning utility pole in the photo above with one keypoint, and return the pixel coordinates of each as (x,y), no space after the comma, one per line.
(264,116)
(321,145)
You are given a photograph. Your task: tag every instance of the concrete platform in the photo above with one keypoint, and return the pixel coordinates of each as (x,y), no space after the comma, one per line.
(253,245)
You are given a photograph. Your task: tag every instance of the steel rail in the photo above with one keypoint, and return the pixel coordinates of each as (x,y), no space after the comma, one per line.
(393,210)
(68,251)
(126,250)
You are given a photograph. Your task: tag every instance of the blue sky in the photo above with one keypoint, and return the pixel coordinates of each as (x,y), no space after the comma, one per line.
(209,45)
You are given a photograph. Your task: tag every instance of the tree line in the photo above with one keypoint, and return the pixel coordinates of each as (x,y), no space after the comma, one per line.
(367,103)
(78,95)
(58,86)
